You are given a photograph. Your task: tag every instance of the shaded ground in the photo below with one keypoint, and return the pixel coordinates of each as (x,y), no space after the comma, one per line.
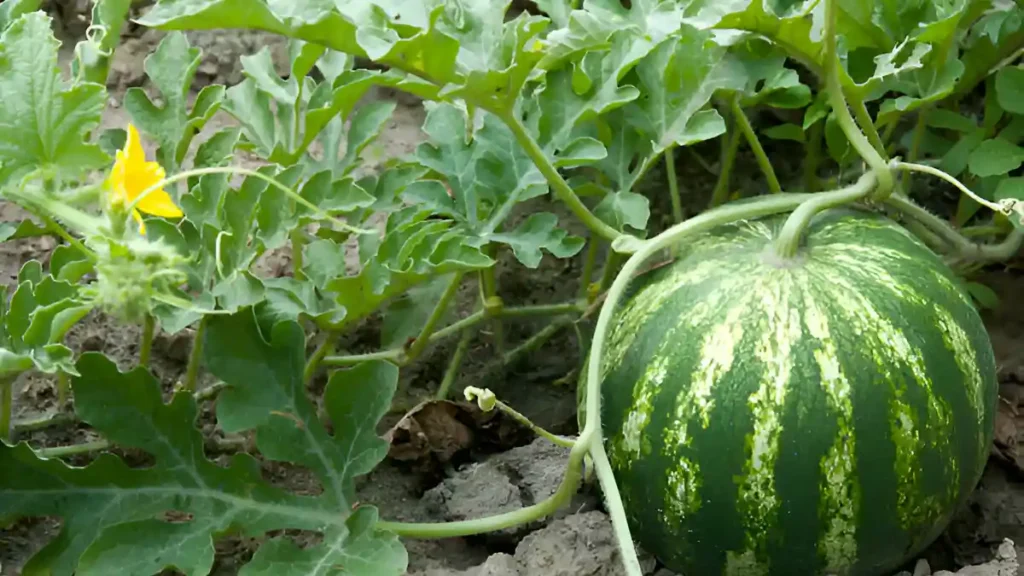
(498,468)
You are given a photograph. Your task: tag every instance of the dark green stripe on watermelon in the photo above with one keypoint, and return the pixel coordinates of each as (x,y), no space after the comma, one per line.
(822,415)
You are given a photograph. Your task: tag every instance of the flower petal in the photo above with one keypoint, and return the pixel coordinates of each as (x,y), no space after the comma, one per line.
(138,218)
(116,180)
(133,149)
(159,203)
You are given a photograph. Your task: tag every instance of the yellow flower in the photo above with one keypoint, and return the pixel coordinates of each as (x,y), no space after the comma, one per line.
(132,175)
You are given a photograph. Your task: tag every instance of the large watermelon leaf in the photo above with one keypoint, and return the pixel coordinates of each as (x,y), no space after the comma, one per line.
(120,520)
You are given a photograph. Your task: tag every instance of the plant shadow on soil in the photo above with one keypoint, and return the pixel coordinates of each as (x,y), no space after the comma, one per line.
(491,473)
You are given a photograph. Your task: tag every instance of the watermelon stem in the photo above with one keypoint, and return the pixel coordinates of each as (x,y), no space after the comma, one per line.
(787,243)
(1004,208)
(559,186)
(423,338)
(452,372)
(673,183)
(589,262)
(487,401)
(6,407)
(834,88)
(730,144)
(962,247)
(811,181)
(743,123)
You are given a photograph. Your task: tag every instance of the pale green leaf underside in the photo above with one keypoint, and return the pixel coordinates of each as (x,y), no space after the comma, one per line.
(42,120)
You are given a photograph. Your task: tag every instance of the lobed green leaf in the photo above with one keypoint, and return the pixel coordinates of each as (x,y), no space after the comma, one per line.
(142,520)
(172,68)
(45,121)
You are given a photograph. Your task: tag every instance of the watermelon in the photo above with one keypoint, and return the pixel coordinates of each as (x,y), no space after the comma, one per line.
(821,414)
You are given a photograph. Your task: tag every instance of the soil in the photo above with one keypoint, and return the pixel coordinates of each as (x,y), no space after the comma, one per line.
(480,466)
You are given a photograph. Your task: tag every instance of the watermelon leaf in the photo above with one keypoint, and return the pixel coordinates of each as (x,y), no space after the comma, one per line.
(226,228)
(44,120)
(23,229)
(1010,89)
(304,107)
(141,520)
(35,320)
(995,157)
(540,231)
(172,68)
(985,296)
(679,77)
(12,9)
(94,54)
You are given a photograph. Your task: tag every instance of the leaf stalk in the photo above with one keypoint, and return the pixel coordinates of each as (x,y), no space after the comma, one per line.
(321,351)
(452,371)
(423,338)
(195,357)
(755,145)
(673,183)
(813,161)
(730,145)
(146,345)
(395,355)
(787,243)
(44,422)
(589,262)
(836,98)
(63,389)
(558,184)
(537,340)
(6,407)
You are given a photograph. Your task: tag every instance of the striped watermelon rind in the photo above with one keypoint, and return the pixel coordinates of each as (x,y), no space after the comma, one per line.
(824,414)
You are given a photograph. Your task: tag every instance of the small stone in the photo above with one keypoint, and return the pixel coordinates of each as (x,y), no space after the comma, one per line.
(92,343)
(496,565)
(579,544)
(539,465)
(1006,551)
(480,491)
(922,568)
(1004,564)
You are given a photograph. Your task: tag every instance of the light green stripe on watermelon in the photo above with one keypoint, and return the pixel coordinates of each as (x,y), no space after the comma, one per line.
(840,493)
(716,357)
(650,299)
(628,447)
(717,353)
(966,359)
(889,347)
(779,327)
